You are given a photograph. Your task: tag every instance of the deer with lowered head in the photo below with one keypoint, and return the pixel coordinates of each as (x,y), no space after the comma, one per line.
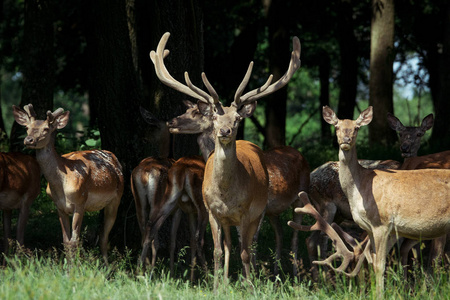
(20,184)
(410,138)
(79,181)
(235,186)
(389,203)
(287,168)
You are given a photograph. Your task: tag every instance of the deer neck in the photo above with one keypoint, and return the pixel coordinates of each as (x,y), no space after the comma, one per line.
(206,142)
(225,164)
(50,161)
(350,172)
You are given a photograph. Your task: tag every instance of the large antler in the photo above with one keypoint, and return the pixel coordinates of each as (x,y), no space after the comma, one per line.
(333,233)
(165,77)
(268,88)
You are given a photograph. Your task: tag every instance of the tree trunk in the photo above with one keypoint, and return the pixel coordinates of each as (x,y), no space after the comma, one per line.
(279,46)
(348,78)
(114,92)
(381,64)
(324,77)
(441,88)
(38,64)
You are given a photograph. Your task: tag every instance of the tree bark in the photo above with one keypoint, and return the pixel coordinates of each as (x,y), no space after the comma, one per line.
(276,103)
(348,78)
(38,64)
(381,74)
(440,83)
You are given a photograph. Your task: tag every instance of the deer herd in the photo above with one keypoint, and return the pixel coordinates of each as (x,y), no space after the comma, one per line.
(236,184)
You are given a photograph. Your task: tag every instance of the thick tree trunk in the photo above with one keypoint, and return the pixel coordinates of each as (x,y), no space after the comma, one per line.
(38,64)
(348,78)
(441,88)
(381,64)
(324,77)
(279,46)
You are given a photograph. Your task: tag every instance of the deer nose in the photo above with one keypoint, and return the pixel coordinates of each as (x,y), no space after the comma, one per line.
(28,140)
(225,131)
(404,147)
(347,139)
(170,123)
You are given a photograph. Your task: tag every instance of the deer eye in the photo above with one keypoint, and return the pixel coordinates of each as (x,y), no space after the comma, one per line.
(420,134)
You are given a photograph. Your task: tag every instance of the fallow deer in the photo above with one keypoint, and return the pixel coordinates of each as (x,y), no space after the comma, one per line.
(79,181)
(410,138)
(235,188)
(389,203)
(288,171)
(183,194)
(20,184)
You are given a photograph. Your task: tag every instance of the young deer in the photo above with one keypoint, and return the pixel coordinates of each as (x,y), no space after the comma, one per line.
(389,203)
(288,171)
(183,194)
(20,184)
(235,188)
(78,181)
(410,138)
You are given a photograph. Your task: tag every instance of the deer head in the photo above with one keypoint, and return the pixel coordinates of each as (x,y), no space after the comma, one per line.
(39,132)
(410,136)
(226,119)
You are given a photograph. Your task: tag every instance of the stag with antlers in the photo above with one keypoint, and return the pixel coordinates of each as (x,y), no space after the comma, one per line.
(78,181)
(235,188)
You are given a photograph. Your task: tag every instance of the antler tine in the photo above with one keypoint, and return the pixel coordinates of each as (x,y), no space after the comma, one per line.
(341,249)
(30,111)
(209,99)
(164,75)
(210,88)
(294,65)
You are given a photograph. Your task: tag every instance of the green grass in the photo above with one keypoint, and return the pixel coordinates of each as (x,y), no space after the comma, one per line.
(49,275)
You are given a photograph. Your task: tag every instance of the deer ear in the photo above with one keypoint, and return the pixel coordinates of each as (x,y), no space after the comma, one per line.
(394,122)
(427,122)
(21,116)
(188,104)
(365,117)
(62,120)
(205,108)
(329,116)
(247,110)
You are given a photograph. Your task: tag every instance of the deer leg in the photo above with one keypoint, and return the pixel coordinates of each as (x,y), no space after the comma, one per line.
(193,231)
(173,237)
(382,242)
(65,226)
(147,243)
(6,228)
(437,250)
(227,248)
(110,215)
(203,222)
(76,228)
(276,225)
(405,248)
(248,231)
(216,231)
(294,241)
(23,219)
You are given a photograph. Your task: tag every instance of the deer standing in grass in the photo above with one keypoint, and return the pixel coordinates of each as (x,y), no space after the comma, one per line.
(148,184)
(410,138)
(288,171)
(20,184)
(183,194)
(78,181)
(387,203)
(235,186)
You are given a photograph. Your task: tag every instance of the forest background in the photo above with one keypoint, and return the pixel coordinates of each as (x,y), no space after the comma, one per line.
(92,58)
